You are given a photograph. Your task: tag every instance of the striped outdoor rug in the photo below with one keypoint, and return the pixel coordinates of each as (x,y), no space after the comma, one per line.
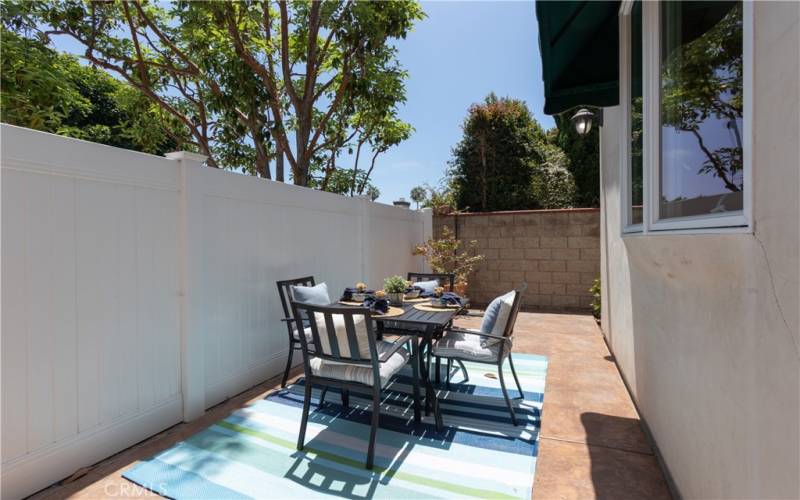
(252,453)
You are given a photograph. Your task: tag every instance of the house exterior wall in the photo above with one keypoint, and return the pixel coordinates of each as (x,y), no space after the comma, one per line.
(137,290)
(556,252)
(705,327)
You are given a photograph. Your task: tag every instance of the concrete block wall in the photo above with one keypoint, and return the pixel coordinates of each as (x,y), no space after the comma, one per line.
(557,252)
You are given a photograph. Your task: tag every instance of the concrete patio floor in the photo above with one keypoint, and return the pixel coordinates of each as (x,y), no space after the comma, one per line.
(592,444)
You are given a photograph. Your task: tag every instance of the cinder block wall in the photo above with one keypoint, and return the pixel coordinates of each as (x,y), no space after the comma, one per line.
(557,252)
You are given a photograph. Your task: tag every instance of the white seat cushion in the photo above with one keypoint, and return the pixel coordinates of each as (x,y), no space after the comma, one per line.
(361,373)
(306,330)
(465,346)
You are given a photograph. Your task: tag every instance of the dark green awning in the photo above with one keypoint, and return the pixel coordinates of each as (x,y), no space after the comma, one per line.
(579,44)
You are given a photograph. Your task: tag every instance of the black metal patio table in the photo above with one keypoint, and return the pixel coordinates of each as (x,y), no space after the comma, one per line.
(433,322)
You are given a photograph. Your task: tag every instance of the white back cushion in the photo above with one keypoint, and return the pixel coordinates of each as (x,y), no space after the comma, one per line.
(340,333)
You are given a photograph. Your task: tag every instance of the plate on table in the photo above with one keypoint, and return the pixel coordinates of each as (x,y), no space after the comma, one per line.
(393,311)
(431,308)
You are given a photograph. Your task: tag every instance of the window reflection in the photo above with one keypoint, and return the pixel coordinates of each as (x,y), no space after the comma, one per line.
(701,108)
(636,187)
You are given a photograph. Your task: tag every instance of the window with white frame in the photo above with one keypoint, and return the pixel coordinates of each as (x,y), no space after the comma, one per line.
(683,72)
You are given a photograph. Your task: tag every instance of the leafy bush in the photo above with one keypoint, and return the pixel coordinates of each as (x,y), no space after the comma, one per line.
(596,298)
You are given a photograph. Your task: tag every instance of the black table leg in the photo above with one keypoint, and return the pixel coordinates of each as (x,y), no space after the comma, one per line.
(431,401)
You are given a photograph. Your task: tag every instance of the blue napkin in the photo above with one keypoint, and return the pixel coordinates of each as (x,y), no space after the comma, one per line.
(412,288)
(449,298)
(452,299)
(348,293)
(377,305)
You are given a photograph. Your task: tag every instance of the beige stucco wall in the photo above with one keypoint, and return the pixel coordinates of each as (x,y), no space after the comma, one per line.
(705,326)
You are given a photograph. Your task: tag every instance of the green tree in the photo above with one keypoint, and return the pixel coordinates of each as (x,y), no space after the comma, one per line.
(418,194)
(553,184)
(52,92)
(493,164)
(583,155)
(239,76)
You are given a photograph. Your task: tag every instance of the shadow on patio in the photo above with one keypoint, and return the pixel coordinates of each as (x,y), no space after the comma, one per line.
(591,442)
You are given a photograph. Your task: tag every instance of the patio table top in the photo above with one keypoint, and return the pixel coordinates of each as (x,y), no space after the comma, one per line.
(418,317)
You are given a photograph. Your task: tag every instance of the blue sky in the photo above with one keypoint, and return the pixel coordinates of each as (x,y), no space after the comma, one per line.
(455,57)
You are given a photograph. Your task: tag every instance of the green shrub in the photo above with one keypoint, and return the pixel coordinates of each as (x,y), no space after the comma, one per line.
(595,291)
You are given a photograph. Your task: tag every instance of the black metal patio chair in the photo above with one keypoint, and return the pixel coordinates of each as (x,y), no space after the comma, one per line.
(346,355)
(285,293)
(462,344)
(445,280)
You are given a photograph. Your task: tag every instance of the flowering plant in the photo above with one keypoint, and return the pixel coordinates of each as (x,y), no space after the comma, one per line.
(361,286)
(438,291)
(380,294)
(443,256)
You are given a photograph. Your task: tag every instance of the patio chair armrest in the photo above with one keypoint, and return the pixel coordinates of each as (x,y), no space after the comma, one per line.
(479,333)
(397,344)
(292,322)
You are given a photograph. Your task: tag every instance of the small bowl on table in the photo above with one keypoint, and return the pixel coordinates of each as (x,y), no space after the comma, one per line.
(439,302)
(358,297)
(413,294)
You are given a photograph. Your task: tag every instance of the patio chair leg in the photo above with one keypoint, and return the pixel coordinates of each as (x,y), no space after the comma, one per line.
(438,370)
(376,413)
(304,419)
(505,394)
(345,398)
(447,374)
(415,388)
(514,372)
(288,365)
(463,370)
(322,396)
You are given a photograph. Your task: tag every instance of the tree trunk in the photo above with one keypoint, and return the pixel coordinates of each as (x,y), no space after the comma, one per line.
(262,162)
(483,173)
(278,162)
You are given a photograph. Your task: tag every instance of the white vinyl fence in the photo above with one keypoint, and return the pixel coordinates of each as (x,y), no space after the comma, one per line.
(137,291)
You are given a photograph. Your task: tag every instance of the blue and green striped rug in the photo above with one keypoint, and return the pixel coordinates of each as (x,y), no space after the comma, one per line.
(252,453)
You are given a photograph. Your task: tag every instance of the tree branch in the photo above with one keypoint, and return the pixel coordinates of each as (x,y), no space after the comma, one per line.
(719,168)
(285,64)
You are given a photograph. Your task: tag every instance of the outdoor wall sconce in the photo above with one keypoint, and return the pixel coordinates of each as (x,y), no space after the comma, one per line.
(583,120)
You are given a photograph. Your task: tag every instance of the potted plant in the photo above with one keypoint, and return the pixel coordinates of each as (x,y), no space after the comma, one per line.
(395,288)
(444,255)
